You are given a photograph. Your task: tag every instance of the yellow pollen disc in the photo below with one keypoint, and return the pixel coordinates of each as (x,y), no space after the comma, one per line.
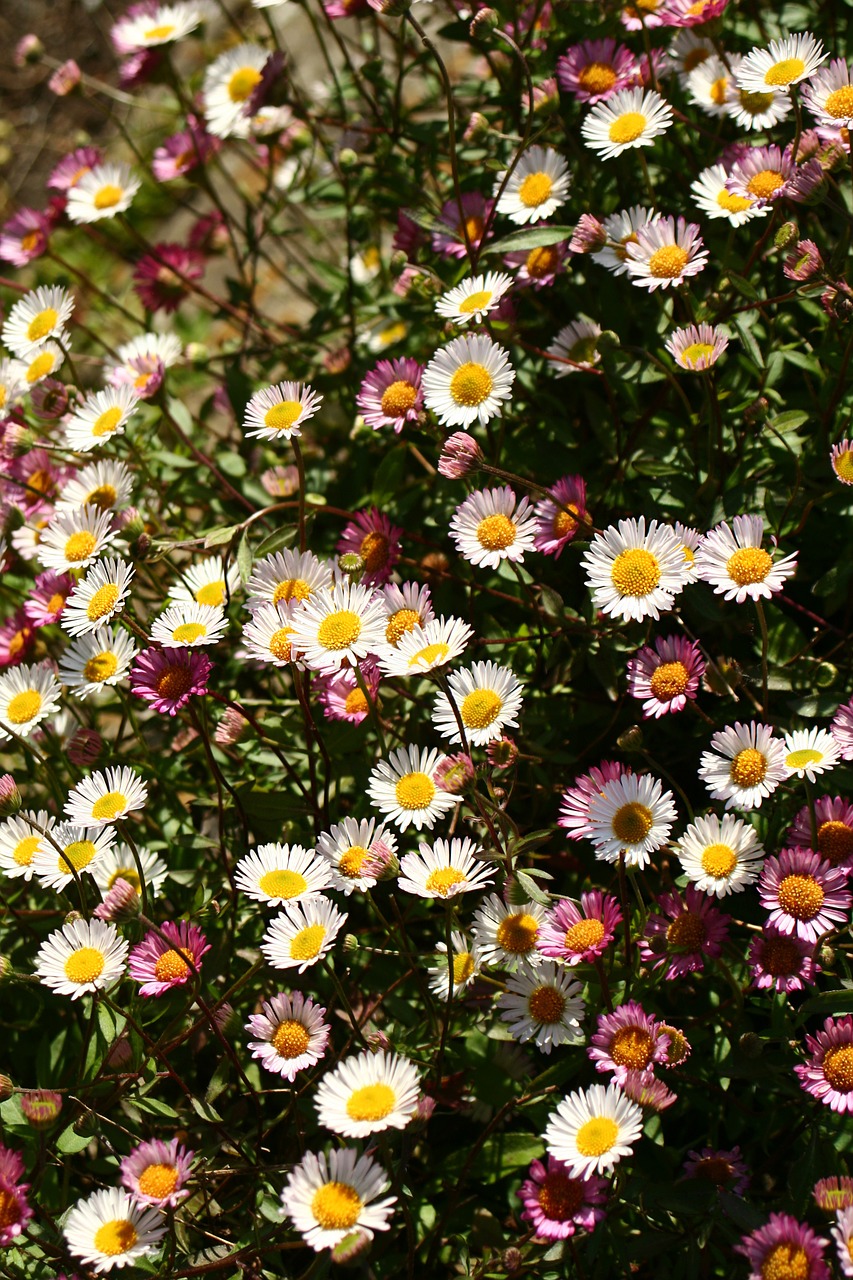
(336,1206)
(838,1068)
(100,667)
(109,805)
(597,77)
(79,853)
(371,1102)
(104,497)
(694,58)
(785,72)
(669,681)
(306,944)
(22,854)
(542,261)
(441,882)
(40,367)
(130,874)
(839,103)
(84,965)
(633,822)
(174,682)
(799,759)
(749,565)
(583,934)
(719,861)
(687,932)
(693,354)
(475,301)
(471,384)
(283,415)
(102,602)
(535,190)
(430,654)
(414,791)
(188,632)
(475,228)
(374,550)
(546,1005)
(108,196)
(733,204)
(635,573)
(159,33)
(496,533)
(714,1169)
(41,325)
(339,630)
(106,422)
(755,103)
(80,546)
(290,1039)
(835,841)
(480,709)
(10,1209)
(844,466)
(158,1181)
(29,241)
(763,184)
(352,860)
(115,1237)
(291,589)
(212,593)
(41,481)
(4,395)
(800,897)
(398,399)
(242,84)
(517,934)
(669,262)
(748,768)
(596,1136)
(463,967)
(632,1047)
(786,1261)
(282,884)
(170,966)
(627,128)
(560,1197)
(355,703)
(718,89)
(24,706)
(17,643)
(565,522)
(279,644)
(399,623)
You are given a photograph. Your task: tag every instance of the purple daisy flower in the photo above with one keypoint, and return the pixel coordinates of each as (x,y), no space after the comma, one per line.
(783,1247)
(834,823)
(372,536)
(448,238)
(690,929)
(11,1164)
(578,935)
(781,961)
(724,1169)
(160,967)
(629,1039)
(73,166)
(15,1211)
(538,267)
(169,678)
(156,1172)
(664,677)
(48,596)
(594,70)
(842,730)
(574,808)
(556,1204)
(559,517)
(391,394)
(24,237)
(650,1093)
(160,277)
(828,1076)
(804,894)
(341,695)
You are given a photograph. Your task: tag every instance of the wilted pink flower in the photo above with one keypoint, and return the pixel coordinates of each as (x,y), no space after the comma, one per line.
(65,79)
(208,234)
(161,277)
(460,454)
(803,262)
(589,235)
(121,902)
(724,1169)
(231,727)
(455,773)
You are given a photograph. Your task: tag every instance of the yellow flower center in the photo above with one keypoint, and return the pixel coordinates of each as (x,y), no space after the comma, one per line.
(189,632)
(719,861)
(398,399)
(10,1209)
(784,72)
(84,965)
(471,384)
(130,874)
(339,630)
(242,84)
(79,854)
(632,1047)
(282,884)
(100,667)
(596,1136)
(414,791)
(763,184)
(212,593)
(669,262)
(635,572)
(41,324)
(283,415)
(18,641)
(441,882)
(109,805)
(496,533)
(697,351)
(290,1039)
(835,841)
(24,850)
(56,601)
(106,422)
(546,1005)
(535,189)
(80,546)
(102,602)
(800,897)
(480,709)
(786,1261)
(799,759)
(352,860)
(158,1180)
(668,681)
(104,497)
(399,623)
(24,706)
(291,589)
(748,565)
(560,1197)
(748,768)
(336,1206)
(754,104)
(583,934)
(159,33)
(627,127)
(838,1068)
(306,944)
(597,77)
(41,366)
(694,58)
(844,466)
(115,1237)
(542,261)
(687,932)
(632,822)
(565,522)
(430,654)
(29,241)
(171,966)
(717,91)
(839,103)
(371,1102)
(475,301)
(355,703)
(517,934)
(733,204)
(108,196)
(174,682)
(463,967)
(374,550)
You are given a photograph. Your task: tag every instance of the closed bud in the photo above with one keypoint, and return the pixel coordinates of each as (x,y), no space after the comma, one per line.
(511,1260)
(424,1110)
(121,903)
(631,739)
(196,352)
(86,1125)
(399,262)
(476,128)
(83,747)
(347,158)
(378,1040)
(41,1108)
(337,361)
(392,8)
(351,1249)
(352,564)
(751,1045)
(28,49)
(484,21)
(826,956)
(72,917)
(786,233)
(825,674)
(10,796)
(350,942)
(6,1088)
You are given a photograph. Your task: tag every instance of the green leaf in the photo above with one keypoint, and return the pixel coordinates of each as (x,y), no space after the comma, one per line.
(536,238)
(833,1002)
(789,420)
(217,536)
(70,1142)
(531,888)
(752,348)
(244,558)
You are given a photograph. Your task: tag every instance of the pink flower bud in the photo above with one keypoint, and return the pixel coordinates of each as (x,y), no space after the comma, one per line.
(460,454)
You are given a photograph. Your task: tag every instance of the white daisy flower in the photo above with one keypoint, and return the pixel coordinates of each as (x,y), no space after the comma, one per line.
(715,200)
(188,625)
(487,700)
(710,84)
(784,63)
(474,298)
(688,50)
(720,855)
(464,965)
(338,625)
(118,863)
(829,96)
(809,752)
(543,1004)
(281,873)
(632,573)
(103,414)
(73,539)
(208,582)
(508,935)
(106,797)
(621,230)
(592,1129)
(302,934)
(47,361)
(444,869)
(28,694)
(13,383)
(21,838)
(537,186)
(38,317)
(403,788)
(107,485)
(757,110)
(291,1034)
(107,189)
(424,648)
(327,1197)
(81,957)
(574,348)
(406,606)
(268,635)
(467,381)
(148,348)
(632,815)
(229,83)
(158,26)
(98,597)
(79,848)
(111,1229)
(368,1093)
(690,541)
(278,412)
(286,577)
(491,525)
(736,564)
(666,253)
(97,661)
(631,118)
(350,848)
(744,766)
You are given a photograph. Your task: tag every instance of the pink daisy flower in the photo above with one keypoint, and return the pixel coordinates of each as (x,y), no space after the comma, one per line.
(665,253)
(724,1169)
(36,481)
(73,167)
(559,517)
(595,69)
(540,266)
(182,152)
(574,807)
(160,276)
(766,174)
(48,596)
(17,636)
(579,935)
(169,678)
(24,237)
(448,238)
(784,1247)
(629,1039)
(556,1204)
(341,695)
(391,395)
(781,961)
(156,1172)
(834,823)
(691,928)
(833,1194)
(828,1076)
(15,1211)
(290,1034)
(690,13)
(373,537)
(160,967)
(842,730)
(11,1164)
(635,19)
(804,894)
(664,677)
(345,8)
(643,1088)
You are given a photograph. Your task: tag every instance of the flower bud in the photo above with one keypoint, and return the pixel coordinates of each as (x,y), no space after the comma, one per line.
(352,564)
(41,1107)
(502,753)
(230,728)
(785,234)
(751,1045)
(83,747)
(6,1088)
(65,79)
(511,1260)
(631,739)
(28,49)
(460,455)
(10,796)
(281,482)
(121,903)
(484,21)
(352,1248)
(337,361)
(350,942)
(476,128)
(347,158)
(455,773)
(378,1040)
(803,262)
